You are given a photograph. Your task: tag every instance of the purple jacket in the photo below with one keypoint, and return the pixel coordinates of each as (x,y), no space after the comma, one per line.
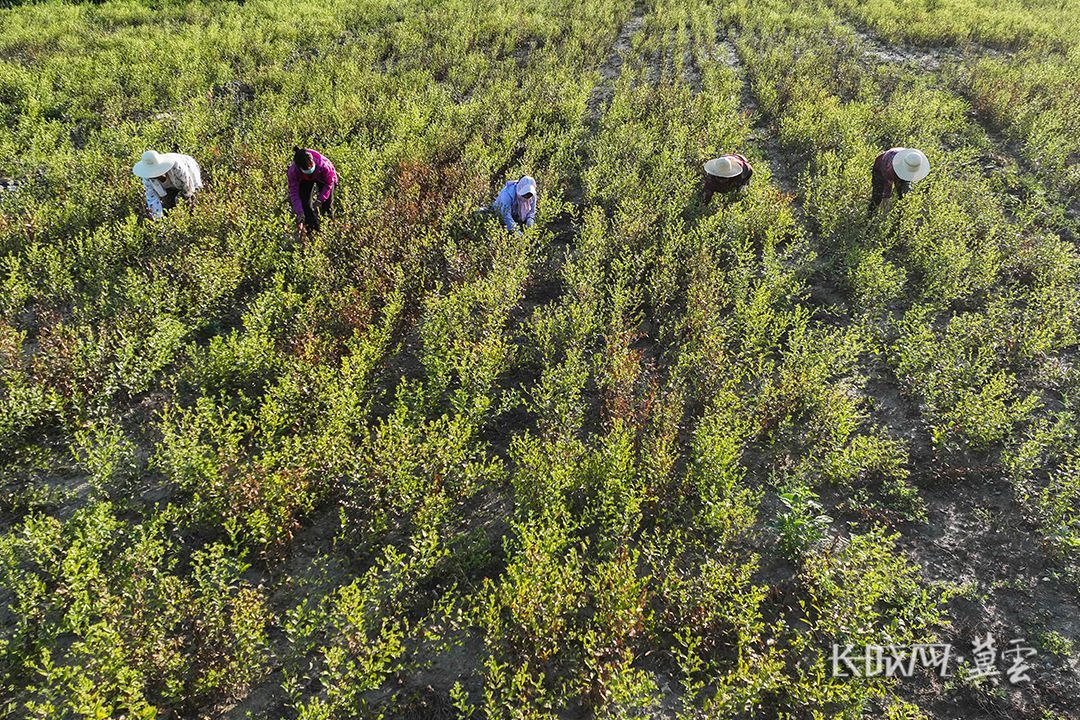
(324,176)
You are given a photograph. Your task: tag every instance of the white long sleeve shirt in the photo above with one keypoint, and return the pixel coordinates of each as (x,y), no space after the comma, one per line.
(184,176)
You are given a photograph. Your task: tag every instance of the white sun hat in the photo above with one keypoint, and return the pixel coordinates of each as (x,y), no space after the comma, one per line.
(725,167)
(153,165)
(910,165)
(526,185)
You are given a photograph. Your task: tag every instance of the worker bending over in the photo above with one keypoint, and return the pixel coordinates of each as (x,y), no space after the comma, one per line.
(516,204)
(896,169)
(726,174)
(309,172)
(165,177)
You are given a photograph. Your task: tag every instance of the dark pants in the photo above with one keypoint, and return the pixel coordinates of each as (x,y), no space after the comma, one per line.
(169,201)
(877,181)
(724,186)
(311,215)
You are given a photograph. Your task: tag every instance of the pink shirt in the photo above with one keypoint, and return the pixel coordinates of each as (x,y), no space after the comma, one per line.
(324,175)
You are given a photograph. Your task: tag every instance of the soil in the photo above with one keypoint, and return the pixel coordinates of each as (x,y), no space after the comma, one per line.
(691,72)
(925,57)
(977,537)
(601,95)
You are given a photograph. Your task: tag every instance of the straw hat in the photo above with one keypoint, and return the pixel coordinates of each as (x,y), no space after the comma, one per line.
(152,165)
(910,165)
(725,167)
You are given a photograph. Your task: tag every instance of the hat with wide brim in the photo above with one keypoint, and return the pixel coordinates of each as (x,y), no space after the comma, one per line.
(152,165)
(725,167)
(910,165)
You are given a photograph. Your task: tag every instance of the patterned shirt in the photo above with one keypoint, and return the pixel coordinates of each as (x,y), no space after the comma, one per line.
(184,176)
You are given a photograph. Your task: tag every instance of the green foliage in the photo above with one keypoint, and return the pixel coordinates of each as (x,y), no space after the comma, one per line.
(143,633)
(801,525)
(635,461)
(1057,503)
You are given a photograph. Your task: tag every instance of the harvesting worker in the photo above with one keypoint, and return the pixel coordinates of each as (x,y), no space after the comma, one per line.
(726,174)
(896,169)
(516,204)
(166,177)
(310,171)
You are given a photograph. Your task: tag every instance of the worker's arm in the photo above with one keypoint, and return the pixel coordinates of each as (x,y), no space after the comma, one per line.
(877,187)
(886,190)
(888,175)
(507,215)
(532,214)
(329,182)
(153,203)
(294,195)
(743,180)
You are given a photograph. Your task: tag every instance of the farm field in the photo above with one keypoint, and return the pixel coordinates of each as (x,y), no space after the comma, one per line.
(653,458)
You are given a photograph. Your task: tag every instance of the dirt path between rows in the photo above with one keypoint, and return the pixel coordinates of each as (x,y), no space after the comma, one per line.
(601,95)
(829,302)
(929,58)
(783,172)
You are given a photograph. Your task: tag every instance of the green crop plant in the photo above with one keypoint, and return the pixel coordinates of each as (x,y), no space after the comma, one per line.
(802,524)
(652,457)
(117,589)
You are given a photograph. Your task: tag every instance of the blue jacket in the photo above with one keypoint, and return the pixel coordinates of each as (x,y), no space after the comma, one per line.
(506,201)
